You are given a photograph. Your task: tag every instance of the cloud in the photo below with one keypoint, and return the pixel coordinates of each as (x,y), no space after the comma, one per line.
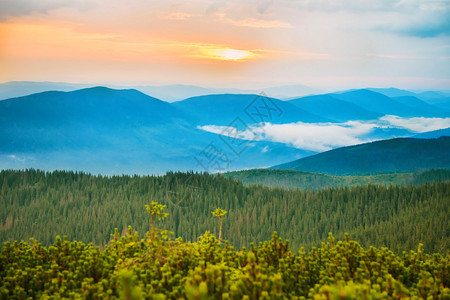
(417,124)
(14,8)
(321,137)
(176,16)
(16,158)
(358,6)
(263,5)
(426,29)
(317,137)
(418,18)
(254,23)
(424,24)
(309,136)
(401,56)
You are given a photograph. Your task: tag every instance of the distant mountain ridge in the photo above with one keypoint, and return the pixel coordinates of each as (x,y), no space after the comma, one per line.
(222,109)
(378,103)
(394,155)
(330,107)
(103,130)
(168,93)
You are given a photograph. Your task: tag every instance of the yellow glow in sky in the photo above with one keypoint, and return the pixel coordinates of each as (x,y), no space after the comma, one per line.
(229,54)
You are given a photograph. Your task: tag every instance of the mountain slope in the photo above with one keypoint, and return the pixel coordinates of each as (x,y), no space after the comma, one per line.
(14,89)
(433,134)
(169,93)
(379,103)
(395,155)
(98,130)
(329,107)
(292,179)
(107,131)
(426,108)
(392,92)
(77,116)
(223,109)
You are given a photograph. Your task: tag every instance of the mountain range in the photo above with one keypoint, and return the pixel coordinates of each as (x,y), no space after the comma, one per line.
(169,93)
(109,131)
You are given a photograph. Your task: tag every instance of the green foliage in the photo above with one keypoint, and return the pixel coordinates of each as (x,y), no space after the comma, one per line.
(88,208)
(155,209)
(292,179)
(219,213)
(133,268)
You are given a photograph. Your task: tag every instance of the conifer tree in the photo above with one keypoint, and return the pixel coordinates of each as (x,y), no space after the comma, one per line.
(219,213)
(155,210)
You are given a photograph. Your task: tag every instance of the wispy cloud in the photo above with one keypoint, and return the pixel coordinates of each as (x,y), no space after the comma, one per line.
(13,8)
(420,18)
(176,16)
(16,158)
(417,124)
(321,137)
(251,22)
(315,137)
(358,6)
(402,56)
(106,46)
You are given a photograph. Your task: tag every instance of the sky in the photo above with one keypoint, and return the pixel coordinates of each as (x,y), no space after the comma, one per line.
(327,44)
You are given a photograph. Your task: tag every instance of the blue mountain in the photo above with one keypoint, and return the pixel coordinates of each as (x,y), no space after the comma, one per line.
(378,103)
(225,108)
(74,119)
(427,109)
(330,107)
(13,89)
(433,134)
(442,102)
(109,131)
(392,92)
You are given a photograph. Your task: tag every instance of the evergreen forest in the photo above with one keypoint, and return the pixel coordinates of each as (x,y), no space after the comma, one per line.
(87,208)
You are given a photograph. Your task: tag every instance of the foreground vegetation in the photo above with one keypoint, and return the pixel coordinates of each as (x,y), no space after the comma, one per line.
(292,179)
(156,267)
(86,208)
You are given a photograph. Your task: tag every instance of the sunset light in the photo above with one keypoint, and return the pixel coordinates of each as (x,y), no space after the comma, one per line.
(230,54)
(227,43)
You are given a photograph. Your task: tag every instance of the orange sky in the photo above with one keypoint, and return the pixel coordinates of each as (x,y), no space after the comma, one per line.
(223,43)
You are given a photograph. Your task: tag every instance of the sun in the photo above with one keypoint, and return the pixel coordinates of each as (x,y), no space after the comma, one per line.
(229,54)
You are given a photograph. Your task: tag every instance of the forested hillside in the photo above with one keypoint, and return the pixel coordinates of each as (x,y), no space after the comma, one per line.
(88,208)
(292,179)
(386,156)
